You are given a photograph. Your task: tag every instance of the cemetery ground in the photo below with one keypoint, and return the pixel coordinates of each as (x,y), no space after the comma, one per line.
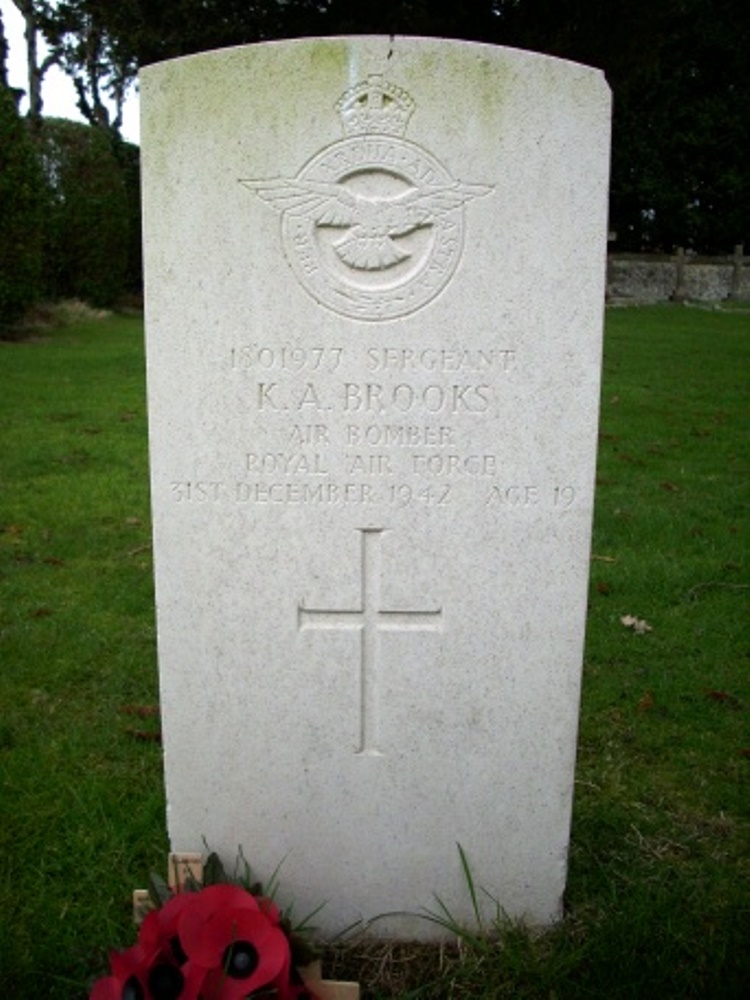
(657,901)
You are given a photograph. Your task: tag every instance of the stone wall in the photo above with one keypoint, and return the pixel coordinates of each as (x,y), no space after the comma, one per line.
(647,278)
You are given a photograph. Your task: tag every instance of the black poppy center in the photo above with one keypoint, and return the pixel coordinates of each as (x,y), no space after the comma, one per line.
(240,960)
(165,982)
(179,955)
(132,989)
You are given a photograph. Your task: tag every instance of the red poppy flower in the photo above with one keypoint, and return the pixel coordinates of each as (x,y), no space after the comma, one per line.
(126,982)
(221,942)
(170,976)
(108,988)
(158,935)
(225,932)
(155,968)
(161,982)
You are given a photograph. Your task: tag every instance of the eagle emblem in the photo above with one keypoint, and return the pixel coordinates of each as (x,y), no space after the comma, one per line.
(372,224)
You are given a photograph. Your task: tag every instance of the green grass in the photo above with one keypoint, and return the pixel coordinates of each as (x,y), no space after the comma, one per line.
(657,902)
(81,802)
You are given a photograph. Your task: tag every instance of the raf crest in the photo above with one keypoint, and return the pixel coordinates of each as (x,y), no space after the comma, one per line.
(373,225)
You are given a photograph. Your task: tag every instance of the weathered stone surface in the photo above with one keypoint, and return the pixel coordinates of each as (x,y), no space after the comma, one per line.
(375,280)
(643,279)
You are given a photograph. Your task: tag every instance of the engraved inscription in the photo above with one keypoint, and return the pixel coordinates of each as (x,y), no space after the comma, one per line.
(370,619)
(431,359)
(309,434)
(399,435)
(374,398)
(377,427)
(291,359)
(324,494)
(498,497)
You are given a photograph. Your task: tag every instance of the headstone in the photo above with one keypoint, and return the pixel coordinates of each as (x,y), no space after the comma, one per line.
(375,284)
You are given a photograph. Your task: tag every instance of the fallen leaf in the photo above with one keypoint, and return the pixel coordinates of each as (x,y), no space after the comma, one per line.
(60,418)
(52,561)
(145,737)
(724,698)
(41,612)
(142,711)
(137,552)
(603,588)
(670,487)
(636,624)
(646,703)
(133,521)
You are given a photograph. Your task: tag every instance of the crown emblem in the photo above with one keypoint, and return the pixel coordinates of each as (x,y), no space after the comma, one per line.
(375,107)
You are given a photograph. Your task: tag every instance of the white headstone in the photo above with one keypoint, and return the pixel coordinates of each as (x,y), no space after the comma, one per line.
(375,284)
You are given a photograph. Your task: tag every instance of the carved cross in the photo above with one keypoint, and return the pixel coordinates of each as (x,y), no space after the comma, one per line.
(370,619)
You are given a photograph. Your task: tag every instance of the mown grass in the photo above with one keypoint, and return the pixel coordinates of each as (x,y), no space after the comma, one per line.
(81,806)
(657,902)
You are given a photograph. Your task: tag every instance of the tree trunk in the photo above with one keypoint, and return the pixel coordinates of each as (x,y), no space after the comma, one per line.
(35,72)
(3,54)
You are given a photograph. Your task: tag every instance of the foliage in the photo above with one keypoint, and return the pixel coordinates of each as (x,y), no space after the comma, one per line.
(682,96)
(32,12)
(70,210)
(89,218)
(678,177)
(677,69)
(128,157)
(78,43)
(92,56)
(22,200)
(657,900)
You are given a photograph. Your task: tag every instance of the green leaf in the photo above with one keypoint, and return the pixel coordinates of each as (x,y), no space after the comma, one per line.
(158,889)
(213,871)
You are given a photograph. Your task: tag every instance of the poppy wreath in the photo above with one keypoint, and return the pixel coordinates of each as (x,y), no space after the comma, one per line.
(219,942)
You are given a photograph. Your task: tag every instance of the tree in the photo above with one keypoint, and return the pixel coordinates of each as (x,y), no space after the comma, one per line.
(22,202)
(3,54)
(79,42)
(88,222)
(93,57)
(679,173)
(677,70)
(34,11)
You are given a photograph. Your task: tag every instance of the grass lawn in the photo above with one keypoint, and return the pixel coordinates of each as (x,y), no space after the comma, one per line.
(658,903)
